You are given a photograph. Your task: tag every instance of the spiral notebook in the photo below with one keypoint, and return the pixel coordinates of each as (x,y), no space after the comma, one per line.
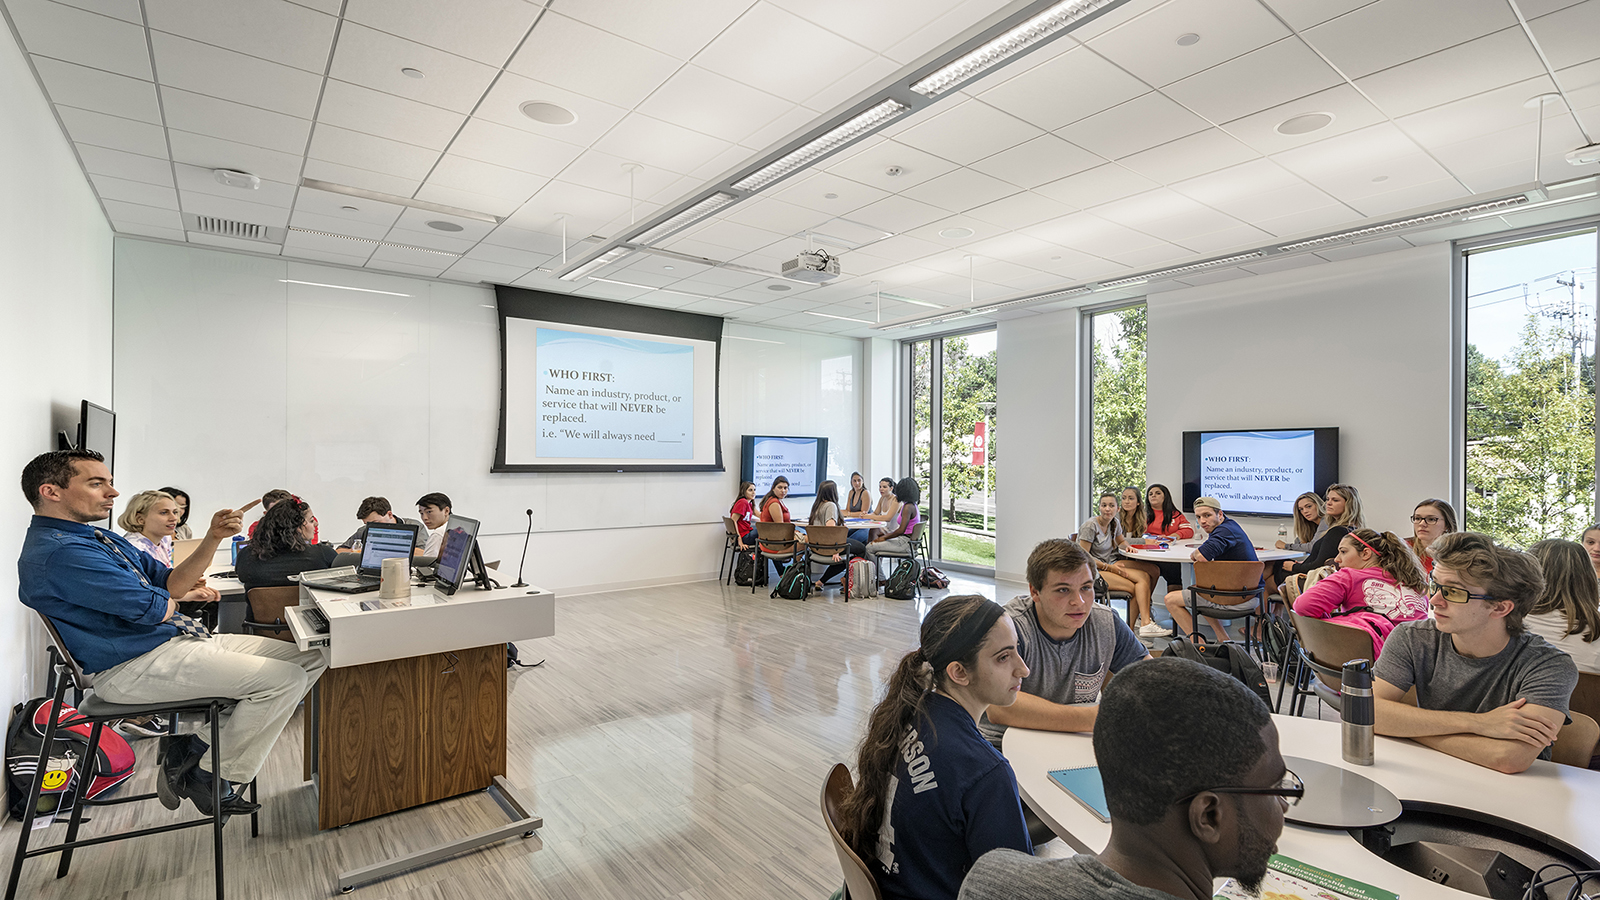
(1085,786)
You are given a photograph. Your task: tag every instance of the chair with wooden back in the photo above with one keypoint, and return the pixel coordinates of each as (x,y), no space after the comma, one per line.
(1575,743)
(858,881)
(266,611)
(730,544)
(823,542)
(1230,583)
(777,541)
(1586,696)
(1324,649)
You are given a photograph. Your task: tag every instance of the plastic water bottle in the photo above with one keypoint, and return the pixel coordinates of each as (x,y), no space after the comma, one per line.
(1283,532)
(1356,712)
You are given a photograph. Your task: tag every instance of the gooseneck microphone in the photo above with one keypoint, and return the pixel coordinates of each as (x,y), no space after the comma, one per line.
(520,583)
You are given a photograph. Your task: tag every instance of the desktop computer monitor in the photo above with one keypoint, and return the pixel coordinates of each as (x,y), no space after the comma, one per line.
(385,541)
(455,554)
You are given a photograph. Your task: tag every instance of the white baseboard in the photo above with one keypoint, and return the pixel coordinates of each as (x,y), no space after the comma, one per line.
(604,587)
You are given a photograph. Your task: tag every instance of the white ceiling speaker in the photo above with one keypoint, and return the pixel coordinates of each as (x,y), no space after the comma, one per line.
(236,179)
(1583,156)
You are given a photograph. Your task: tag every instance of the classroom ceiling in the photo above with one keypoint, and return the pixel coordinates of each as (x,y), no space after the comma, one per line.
(1151,137)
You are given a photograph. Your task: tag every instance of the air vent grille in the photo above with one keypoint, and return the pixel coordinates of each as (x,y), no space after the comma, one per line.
(232,228)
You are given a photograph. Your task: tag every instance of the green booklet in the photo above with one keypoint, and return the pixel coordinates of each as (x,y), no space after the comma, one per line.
(1291,879)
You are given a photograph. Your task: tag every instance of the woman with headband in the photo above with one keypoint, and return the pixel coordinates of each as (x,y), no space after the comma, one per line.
(933,795)
(1379,584)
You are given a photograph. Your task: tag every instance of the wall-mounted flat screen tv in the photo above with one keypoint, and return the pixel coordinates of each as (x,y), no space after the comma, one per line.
(1259,473)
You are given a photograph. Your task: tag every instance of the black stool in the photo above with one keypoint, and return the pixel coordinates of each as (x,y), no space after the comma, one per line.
(97,713)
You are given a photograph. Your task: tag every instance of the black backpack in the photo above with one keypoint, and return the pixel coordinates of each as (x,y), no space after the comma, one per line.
(902,585)
(748,567)
(1229,657)
(1277,637)
(794,583)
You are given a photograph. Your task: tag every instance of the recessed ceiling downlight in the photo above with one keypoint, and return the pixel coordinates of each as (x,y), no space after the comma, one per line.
(959,231)
(548,113)
(1188,40)
(1305,124)
(412,73)
(442,225)
(777,287)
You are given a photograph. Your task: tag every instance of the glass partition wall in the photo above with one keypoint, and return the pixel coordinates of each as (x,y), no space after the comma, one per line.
(954,443)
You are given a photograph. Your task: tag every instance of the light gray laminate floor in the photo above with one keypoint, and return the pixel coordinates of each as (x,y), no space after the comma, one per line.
(675,742)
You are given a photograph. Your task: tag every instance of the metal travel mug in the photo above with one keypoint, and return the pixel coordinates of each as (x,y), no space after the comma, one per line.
(1356,712)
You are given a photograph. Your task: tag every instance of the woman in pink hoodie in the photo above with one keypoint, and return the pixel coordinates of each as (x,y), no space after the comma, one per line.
(1378,583)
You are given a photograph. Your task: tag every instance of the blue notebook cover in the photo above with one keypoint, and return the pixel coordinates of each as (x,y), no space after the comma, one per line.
(1085,787)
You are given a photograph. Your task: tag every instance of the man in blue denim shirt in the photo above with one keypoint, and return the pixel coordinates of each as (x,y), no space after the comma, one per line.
(115,609)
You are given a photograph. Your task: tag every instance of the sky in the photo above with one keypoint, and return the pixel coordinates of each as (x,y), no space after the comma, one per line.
(1504,286)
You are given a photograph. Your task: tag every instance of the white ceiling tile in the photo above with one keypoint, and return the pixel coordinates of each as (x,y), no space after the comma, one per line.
(586,208)
(709,103)
(243,210)
(1020,210)
(961,190)
(120,164)
(93,89)
(214,153)
(1568,36)
(1166,214)
(1258,190)
(1096,186)
(503,105)
(1391,32)
(322,256)
(1533,9)
(1151,257)
(1226,241)
(387,116)
(1146,46)
(1489,62)
(199,114)
(744,238)
(939,30)
(1347,166)
(898,214)
(1187,157)
(968,132)
(605,172)
(1302,14)
(477,270)
(215,72)
(569,54)
(870,164)
(876,70)
(334,206)
(900,248)
(76,36)
(1475,116)
(507,256)
(489,204)
(776,216)
(794,120)
(1274,74)
(465,174)
(661,26)
(1409,198)
(780,53)
(519,240)
(366,151)
(134,192)
(422,236)
(487,32)
(1307,222)
(513,148)
(144,215)
(656,143)
(373,59)
(371,230)
(1349,109)
(1365,248)
(408,262)
(1091,234)
(266,29)
(1074,85)
(155,231)
(102,130)
(1045,158)
(720,165)
(365,179)
(126,10)
(193,179)
(1139,124)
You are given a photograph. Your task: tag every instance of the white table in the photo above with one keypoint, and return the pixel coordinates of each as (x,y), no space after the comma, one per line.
(1181,551)
(1561,801)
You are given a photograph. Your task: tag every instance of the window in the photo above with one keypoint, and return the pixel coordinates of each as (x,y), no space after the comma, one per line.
(1116,402)
(953,390)
(1530,400)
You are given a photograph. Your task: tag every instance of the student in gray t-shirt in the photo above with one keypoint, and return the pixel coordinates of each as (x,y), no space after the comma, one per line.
(1071,645)
(1487,691)
(1178,818)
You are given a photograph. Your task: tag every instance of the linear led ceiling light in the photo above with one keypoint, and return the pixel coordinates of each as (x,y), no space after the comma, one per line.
(1343,236)
(904,299)
(604,259)
(342,287)
(662,290)
(688,217)
(359,240)
(1008,45)
(845,318)
(397,200)
(827,143)
(1180,270)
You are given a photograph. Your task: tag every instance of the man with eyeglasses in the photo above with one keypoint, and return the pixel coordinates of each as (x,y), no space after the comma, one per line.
(1488,691)
(1189,801)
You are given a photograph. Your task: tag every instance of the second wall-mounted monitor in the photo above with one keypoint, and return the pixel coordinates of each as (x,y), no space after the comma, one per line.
(1259,473)
(802,460)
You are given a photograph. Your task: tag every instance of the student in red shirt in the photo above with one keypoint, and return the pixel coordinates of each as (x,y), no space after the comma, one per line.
(1162,517)
(743,512)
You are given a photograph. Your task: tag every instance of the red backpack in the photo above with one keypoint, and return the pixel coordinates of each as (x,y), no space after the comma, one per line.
(114,760)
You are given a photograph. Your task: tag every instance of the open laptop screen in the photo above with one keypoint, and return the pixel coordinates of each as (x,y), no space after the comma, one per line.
(459,534)
(385,541)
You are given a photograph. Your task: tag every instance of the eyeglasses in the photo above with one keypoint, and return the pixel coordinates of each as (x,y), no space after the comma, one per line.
(1290,788)
(1454,594)
(1426,520)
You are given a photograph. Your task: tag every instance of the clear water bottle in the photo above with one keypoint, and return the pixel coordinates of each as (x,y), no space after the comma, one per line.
(1283,532)
(1356,712)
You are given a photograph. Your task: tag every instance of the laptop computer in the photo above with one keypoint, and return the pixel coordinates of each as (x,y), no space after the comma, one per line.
(182,550)
(455,554)
(384,541)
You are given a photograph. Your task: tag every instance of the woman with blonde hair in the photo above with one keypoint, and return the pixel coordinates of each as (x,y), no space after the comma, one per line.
(919,834)
(1591,544)
(1342,512)
(1567,613)
(149,522)
(1310,522)
(1431,520)
(1378,585)
(1102,536)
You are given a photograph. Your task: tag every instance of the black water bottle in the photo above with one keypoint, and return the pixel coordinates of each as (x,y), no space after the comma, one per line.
(1356,712)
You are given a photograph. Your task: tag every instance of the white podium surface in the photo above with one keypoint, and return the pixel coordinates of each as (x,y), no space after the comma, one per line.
(426,622)
(1560,801)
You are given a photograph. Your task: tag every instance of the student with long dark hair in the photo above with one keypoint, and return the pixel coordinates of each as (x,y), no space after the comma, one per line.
(771,506)
(1163,519)
(743,511)
(1102,536)
(284,544)
(898,538)
(888,507)
(1567,613)
(955,796)
(184,533)
(825,511)
(1431,520)
(1379,585)
(858,502)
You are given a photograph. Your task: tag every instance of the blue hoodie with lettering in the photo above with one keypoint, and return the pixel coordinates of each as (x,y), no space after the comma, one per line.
(953,798)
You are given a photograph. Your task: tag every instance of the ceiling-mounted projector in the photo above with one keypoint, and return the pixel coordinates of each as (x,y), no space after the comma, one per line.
(812,267)
(1584,155)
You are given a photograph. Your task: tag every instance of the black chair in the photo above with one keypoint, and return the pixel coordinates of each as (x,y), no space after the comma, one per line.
(265,616)
(98,713)
(730,546)
(916,551)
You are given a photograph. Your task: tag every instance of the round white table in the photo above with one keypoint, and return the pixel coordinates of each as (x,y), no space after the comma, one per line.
(1181,552)
(1561,801)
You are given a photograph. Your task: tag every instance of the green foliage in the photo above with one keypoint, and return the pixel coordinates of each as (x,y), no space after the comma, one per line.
(1118,400)
(1530,439)
(968,380)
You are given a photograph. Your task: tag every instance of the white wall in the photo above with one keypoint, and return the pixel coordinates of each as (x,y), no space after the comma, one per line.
(231,381)
(1362,344)
(879,428)
(55,306)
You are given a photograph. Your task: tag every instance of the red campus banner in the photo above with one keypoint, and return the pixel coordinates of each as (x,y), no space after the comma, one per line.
(980,443)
